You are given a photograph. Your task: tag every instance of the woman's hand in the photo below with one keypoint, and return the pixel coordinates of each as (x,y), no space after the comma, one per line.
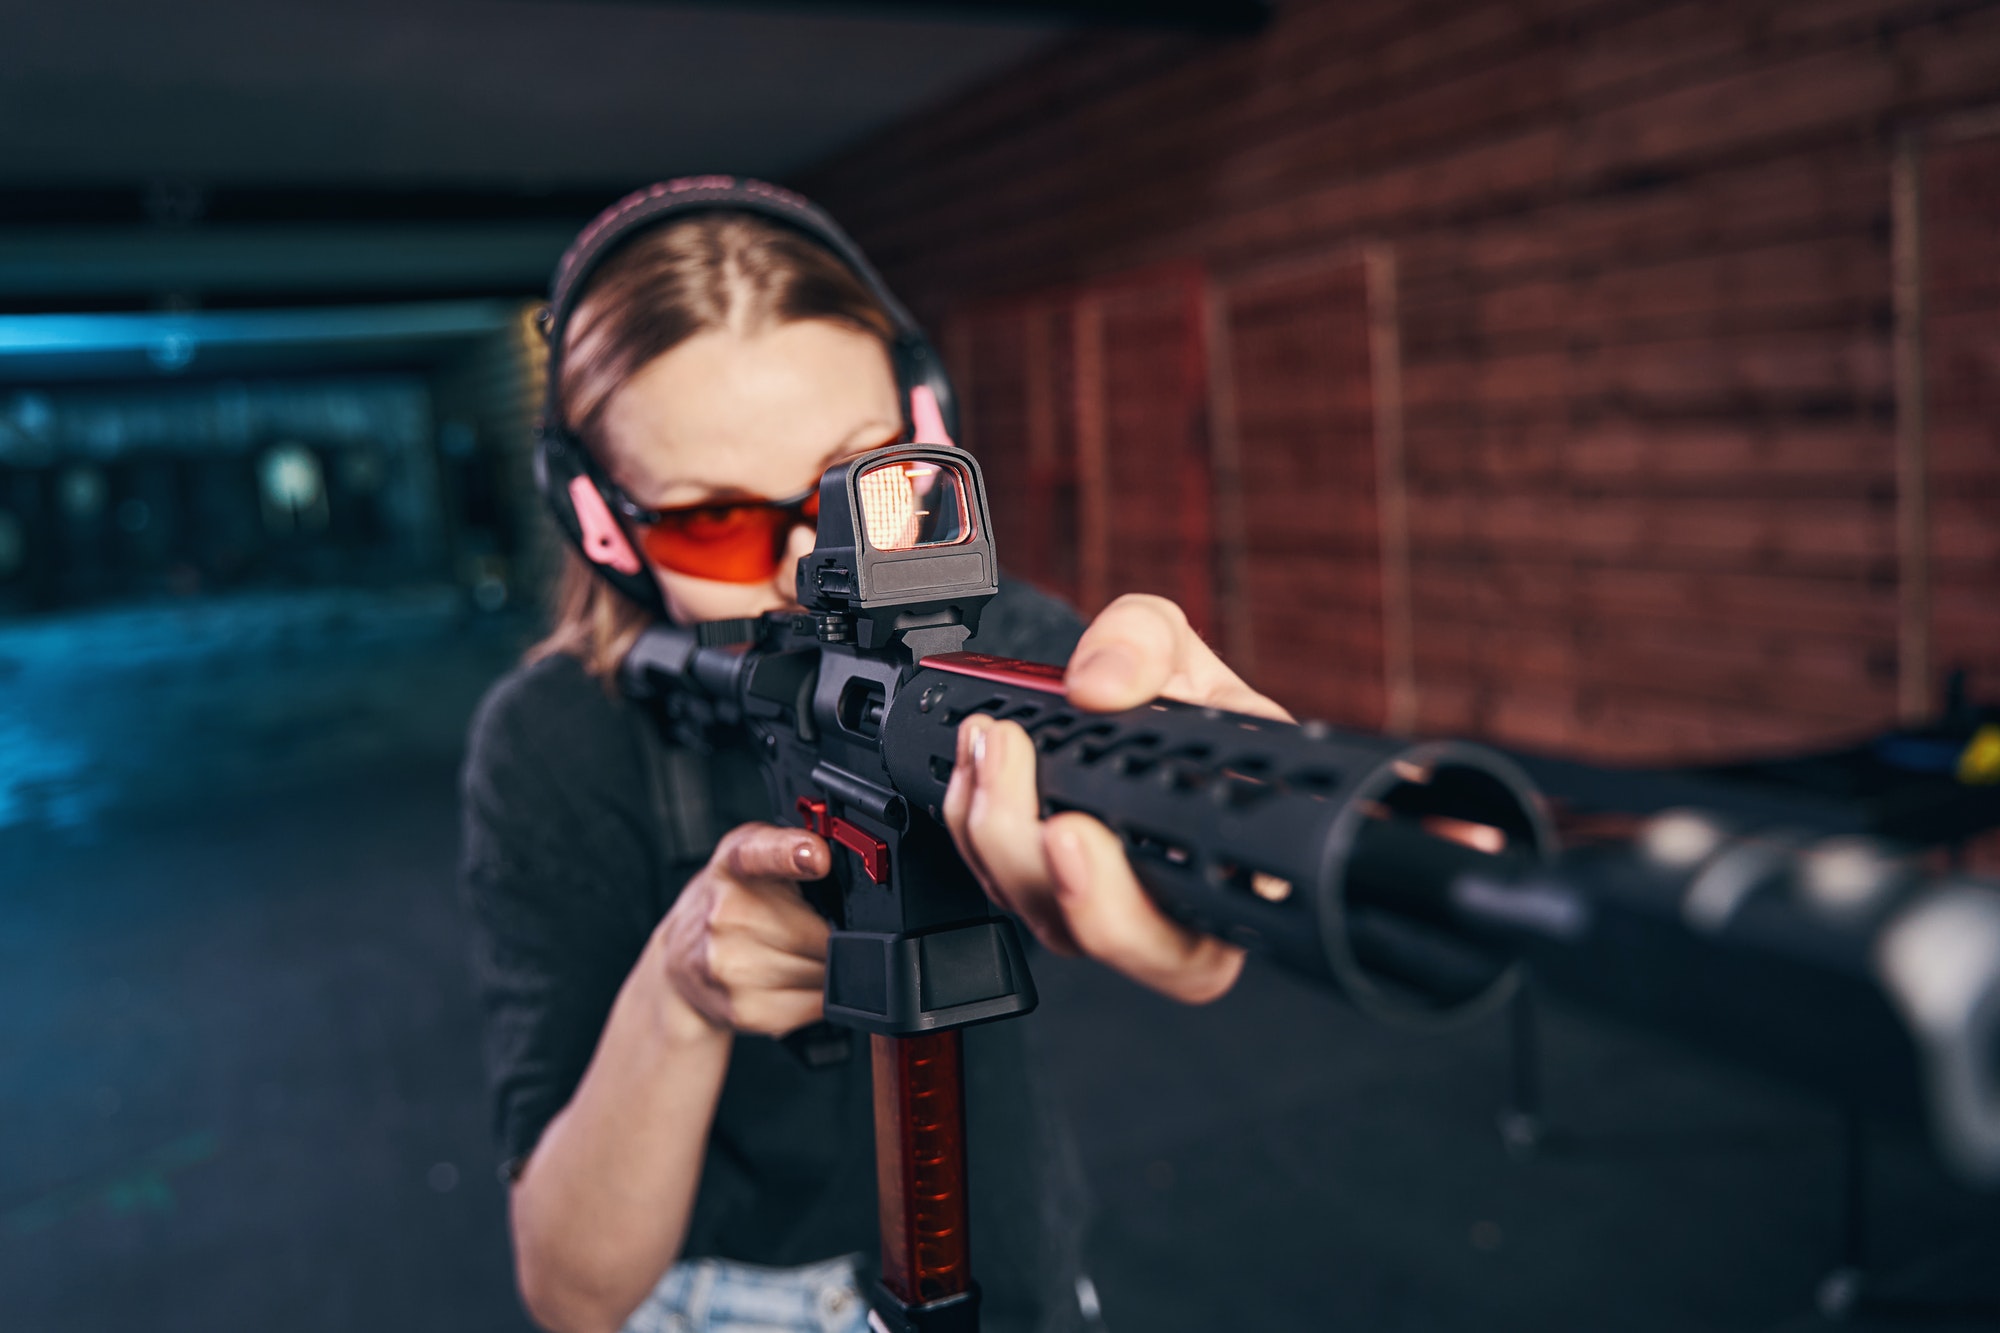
(1067,877)
(601,1208)
(741,946)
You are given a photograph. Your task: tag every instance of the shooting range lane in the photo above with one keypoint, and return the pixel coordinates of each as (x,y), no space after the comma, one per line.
(108,710)
(241,1075)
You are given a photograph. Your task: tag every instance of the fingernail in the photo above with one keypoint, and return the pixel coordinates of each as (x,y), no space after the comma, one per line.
(979,747)
(1109,668)
(803,855)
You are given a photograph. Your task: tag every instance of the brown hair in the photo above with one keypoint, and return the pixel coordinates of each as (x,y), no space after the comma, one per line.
(713,271)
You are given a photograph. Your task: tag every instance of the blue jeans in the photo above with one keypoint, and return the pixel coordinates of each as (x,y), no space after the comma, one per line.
(723,1296)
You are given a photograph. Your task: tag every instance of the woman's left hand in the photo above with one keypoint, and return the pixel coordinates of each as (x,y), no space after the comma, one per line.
(1067,877)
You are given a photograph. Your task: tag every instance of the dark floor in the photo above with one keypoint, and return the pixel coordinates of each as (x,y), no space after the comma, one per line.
(239,1083)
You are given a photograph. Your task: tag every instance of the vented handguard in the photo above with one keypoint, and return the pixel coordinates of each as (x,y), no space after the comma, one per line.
(1243,827)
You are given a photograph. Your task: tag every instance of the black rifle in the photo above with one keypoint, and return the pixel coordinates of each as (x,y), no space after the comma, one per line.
(1420,877)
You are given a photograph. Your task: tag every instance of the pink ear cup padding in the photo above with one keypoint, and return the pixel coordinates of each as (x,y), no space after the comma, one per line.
(925,418)
(603,541)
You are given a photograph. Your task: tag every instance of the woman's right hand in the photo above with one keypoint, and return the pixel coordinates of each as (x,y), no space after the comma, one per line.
(741,946)
(601,1208)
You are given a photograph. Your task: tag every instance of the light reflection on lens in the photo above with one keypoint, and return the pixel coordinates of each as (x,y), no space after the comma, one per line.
(905,505)
(889,508)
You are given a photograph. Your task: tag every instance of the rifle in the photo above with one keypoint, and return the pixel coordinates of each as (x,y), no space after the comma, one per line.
(1418,877)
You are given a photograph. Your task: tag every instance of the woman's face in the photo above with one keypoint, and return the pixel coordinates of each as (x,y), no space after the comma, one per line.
(729,416)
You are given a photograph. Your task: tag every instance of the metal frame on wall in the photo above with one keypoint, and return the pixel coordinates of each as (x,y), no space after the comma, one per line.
(1064,347)
(1918,659)
(1062,418)
(1374,269)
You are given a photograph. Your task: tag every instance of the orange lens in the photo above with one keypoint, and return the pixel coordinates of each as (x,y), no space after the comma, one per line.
(730,543)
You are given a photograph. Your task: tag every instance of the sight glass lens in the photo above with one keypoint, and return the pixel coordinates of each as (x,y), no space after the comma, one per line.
(906,505)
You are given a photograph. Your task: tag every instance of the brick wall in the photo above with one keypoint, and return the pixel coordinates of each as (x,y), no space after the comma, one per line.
(1641,323)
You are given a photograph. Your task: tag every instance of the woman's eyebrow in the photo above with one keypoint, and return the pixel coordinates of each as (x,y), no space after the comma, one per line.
(841,452)
(849,449)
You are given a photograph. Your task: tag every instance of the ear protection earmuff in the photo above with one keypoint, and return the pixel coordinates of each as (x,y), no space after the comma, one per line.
(573,486)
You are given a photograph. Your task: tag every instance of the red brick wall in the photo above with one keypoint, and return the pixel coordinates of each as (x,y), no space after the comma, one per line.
(1643,324)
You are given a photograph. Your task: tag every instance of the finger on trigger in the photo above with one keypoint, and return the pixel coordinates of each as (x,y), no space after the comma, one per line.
(1111,918)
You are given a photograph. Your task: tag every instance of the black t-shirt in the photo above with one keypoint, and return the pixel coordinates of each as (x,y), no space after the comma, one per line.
(581,825)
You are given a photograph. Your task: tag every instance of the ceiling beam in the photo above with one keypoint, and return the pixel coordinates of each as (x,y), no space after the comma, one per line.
(199,262)
(37,349)
(150,330)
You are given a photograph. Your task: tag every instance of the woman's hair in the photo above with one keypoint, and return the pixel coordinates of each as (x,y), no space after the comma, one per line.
(712,271)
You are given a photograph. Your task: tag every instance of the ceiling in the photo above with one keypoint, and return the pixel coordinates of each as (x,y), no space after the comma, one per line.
(236,154)
(437,94)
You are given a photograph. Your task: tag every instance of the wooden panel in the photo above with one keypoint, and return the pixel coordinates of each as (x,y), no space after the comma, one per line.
(1156,515)
(1087,407)
(1961,209)
(1301,378)
(1011,368)
(988,359)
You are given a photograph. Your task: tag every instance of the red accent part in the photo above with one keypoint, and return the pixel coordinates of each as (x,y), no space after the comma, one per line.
(813,815)
(603,541)
(920,1165)
(926,418)
(1004,670)
(874,853)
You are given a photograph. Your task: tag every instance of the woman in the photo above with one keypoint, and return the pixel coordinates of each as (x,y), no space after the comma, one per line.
(641,938)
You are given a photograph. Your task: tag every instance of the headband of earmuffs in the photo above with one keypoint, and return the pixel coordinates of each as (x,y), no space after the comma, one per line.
(571,483)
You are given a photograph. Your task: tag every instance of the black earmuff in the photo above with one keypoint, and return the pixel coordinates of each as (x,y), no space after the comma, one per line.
(572,486)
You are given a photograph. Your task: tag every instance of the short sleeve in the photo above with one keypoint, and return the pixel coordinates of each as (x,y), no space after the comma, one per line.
(559,874)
